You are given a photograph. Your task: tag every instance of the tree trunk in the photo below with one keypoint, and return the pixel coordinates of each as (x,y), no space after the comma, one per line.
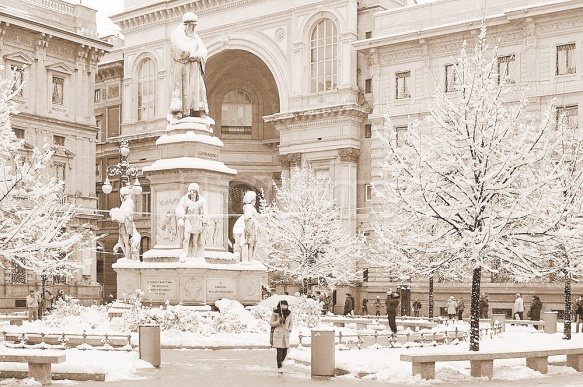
(431,302)
(475,310)
(567,314)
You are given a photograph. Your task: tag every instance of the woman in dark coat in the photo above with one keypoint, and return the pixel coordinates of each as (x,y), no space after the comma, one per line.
(535,309)
(281,327)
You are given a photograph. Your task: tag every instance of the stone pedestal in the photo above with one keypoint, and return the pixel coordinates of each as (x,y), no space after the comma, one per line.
(194,282)
(190,154)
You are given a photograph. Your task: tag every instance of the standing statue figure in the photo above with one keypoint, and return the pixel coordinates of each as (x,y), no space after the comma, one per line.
(251,218)
(129,237)
(192,219)
(189,57)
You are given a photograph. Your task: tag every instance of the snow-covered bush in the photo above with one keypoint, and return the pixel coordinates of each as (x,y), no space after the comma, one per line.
(306,313)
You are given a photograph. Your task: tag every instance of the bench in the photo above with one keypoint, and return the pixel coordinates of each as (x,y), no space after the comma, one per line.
(482,363)
(341,321)
(39,362)
(69,340)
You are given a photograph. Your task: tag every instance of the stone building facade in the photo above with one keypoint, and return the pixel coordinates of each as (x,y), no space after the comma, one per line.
(409,56)
(308,80)
(51,46)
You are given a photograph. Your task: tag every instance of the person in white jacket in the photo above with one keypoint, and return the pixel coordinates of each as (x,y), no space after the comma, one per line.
(518,308)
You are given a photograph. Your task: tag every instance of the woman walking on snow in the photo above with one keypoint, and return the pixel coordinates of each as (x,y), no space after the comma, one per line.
(281,327)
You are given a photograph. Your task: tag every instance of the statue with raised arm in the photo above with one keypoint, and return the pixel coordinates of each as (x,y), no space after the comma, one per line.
(128,236)
(192,217)
(189,56)
(251,218)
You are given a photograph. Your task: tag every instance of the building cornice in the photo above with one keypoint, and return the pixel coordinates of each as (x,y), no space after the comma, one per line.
(329,113)
(467,25)
(96,44)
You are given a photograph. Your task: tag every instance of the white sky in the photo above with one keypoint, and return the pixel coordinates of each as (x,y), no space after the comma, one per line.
(105,8)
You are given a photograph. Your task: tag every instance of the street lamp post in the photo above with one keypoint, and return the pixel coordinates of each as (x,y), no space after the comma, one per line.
(124,169)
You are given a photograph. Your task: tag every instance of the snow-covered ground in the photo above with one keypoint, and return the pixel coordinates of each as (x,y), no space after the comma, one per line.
(374,362)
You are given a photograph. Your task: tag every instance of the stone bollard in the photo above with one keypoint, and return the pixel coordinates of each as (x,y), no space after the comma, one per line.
(550,319)
(323,361)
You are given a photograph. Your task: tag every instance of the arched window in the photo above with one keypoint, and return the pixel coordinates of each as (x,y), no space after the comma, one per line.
(237,113)
(323,56)
(146,90)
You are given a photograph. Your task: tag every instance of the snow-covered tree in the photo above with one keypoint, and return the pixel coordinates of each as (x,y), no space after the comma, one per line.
(564,209)
(302,235)
(35,218)
(466,191)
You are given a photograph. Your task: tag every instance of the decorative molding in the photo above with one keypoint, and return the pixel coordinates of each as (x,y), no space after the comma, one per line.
(19,57)
(444,48)
(349,155)
(60,67)
(318,114)
(279,34)
(562,25)
(20,39)
(391,57)
(225,42)
(109,71)
(43,41)
(62,50)
(290,160)
(530,33)
(512,37)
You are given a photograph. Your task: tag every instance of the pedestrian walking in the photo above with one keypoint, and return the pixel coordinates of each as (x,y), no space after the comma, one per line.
(281,327)
(535,309)
(578,313)
(32,303)
(518,308)
(377,305)
(451,308)
(483,305)
(349,305)
(460,308)
(364,306)
(392,303)
(416,307)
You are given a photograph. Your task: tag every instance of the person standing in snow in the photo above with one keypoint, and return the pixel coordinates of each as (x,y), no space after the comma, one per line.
(349,305)
(451,308)
(392,303)
(377,305)
(416,307)
(535,309)
(281,326)
(518,308)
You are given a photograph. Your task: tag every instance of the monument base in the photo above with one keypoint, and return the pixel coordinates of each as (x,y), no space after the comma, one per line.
(193,282)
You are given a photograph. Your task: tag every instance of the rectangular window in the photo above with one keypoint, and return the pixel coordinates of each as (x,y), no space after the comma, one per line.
(450,78)
(97,95)
(146,206)
(568,116)
(566,59)
(18,132)
(18,274)
(400,132)
(368,192)
(505,70)
(17,79)
(58,90)
(59,140)
(402,85)
(368,86)
(60,169)
(367,131)
(368,34)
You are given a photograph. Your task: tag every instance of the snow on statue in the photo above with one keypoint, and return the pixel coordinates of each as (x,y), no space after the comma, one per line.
(192,217)
(128,236)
